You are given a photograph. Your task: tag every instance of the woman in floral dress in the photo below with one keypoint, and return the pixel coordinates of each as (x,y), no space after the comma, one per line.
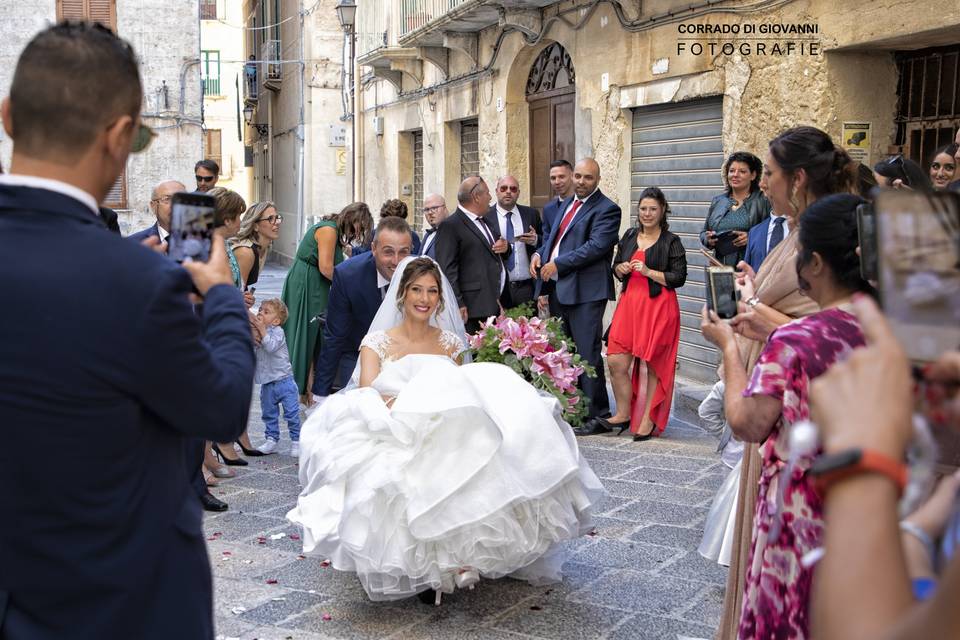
(763,406)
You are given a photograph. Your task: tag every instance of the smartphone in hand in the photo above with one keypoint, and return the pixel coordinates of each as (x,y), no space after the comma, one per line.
(191,226)
(721,283)
(918,260)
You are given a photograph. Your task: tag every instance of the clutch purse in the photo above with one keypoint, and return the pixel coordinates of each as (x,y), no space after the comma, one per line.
(725,246)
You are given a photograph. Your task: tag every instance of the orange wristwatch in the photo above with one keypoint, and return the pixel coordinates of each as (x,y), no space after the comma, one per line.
(831,468)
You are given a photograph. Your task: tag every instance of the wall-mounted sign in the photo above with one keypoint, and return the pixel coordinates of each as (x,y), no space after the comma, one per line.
(338,135)
(855,138)
(341,162)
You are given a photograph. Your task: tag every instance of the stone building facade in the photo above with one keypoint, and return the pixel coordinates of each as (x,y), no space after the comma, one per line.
(222,75)
(166,38)
(296,135)
(658,91)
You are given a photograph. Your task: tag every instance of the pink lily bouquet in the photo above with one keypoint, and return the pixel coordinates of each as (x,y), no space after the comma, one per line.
(538,350)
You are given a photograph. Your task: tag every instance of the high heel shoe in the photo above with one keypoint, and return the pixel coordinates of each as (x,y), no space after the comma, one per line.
(232,462)
(649,434)
(249,452)
(619,427)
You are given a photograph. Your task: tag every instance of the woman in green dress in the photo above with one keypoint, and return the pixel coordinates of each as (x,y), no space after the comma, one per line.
(305,291)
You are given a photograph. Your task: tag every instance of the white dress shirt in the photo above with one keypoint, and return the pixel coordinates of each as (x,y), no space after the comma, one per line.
(521,264)
(786,229)
(431,237)
(35,182)
(556,243)
(485,232)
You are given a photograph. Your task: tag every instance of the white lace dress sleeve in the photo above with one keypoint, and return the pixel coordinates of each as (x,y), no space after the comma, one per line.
(452,344)
(377,341)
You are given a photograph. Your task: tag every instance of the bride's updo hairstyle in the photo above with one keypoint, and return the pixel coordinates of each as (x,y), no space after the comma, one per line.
(419,267)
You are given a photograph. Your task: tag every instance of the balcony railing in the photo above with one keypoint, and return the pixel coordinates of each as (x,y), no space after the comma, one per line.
(251,84)
(376,25)
(270,54)
(416,14)
(211,86)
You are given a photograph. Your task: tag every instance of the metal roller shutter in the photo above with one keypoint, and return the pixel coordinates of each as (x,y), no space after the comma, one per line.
(679,148)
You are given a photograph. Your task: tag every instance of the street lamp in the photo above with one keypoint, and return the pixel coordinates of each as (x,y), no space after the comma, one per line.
(248,114)
(347,14)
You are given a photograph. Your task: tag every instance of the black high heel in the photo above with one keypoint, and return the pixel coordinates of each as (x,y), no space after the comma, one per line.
(619,426)
(640,438)
(249,452)
(230,462)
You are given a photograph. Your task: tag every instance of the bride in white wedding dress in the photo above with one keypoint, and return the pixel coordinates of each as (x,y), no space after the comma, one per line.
(428,474)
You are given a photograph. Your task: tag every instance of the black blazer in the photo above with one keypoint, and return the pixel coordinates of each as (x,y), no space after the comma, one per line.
(529,217)
(667,255)
(110,375)
(471,266)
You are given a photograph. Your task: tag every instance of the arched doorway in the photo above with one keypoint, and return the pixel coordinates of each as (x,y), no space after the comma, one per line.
(551,95)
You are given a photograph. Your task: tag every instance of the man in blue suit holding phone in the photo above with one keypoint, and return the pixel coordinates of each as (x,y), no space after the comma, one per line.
(356,292)
(104,368)
(576,258)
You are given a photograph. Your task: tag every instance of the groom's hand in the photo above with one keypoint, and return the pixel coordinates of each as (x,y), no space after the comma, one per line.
(548,270)
(463,313)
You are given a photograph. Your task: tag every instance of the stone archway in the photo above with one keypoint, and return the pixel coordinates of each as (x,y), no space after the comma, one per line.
(551,97)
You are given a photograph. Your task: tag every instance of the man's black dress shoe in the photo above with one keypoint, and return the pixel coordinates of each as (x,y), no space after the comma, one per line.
(593,427)
(210,503)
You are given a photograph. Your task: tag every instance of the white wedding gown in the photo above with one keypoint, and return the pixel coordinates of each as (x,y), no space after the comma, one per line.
(470,468)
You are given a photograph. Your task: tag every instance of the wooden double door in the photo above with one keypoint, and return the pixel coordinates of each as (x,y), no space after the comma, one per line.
(551,138)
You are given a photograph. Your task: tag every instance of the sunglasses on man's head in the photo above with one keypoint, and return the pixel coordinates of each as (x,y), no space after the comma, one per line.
(204,178)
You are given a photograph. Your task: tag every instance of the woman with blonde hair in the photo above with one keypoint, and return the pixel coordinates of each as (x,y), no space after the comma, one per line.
(259,227)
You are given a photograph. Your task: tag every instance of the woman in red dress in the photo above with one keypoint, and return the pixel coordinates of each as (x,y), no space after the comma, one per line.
(652,264)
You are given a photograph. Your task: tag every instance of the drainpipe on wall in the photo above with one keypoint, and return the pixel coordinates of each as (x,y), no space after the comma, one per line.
(301,219)
(359,192)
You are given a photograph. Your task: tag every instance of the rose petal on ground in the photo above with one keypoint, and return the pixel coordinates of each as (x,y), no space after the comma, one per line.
(272,581)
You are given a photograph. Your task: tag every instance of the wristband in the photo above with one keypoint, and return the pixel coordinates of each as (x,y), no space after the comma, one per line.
(829,469)
(753,302)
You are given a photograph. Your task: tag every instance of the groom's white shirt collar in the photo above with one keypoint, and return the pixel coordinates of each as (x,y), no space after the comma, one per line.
(381,281)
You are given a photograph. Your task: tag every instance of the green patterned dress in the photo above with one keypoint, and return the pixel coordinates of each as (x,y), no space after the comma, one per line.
(305,293)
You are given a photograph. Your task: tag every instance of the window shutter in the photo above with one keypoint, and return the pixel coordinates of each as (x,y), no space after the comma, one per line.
(117,196)
(102,11)
(211,148)
(70,10)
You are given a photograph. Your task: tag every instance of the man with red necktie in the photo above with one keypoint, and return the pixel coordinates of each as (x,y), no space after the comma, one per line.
(576,256)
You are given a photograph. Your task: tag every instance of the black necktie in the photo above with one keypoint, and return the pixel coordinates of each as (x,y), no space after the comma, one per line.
(776,236)
(383,291)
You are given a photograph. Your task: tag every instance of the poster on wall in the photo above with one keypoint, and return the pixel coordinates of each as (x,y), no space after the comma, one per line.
(856,140)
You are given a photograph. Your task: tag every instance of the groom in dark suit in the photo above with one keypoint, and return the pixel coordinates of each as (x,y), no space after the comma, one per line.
(356,292)
(576,258)
(471,254)
(106,369)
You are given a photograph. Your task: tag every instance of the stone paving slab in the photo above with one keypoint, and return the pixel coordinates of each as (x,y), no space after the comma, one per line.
(637,576)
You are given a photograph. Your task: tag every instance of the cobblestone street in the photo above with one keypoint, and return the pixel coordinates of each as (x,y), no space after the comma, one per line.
(638,576)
